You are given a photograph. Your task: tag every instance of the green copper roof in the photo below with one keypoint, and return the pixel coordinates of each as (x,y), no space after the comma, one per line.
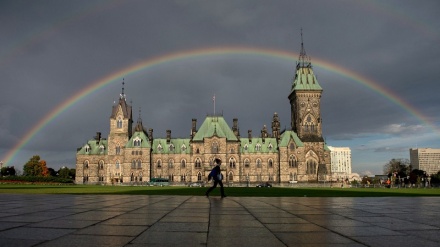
(217,126)
(257,145)
(145,143)
(290,135)
(176,146)
(305,79)
(94,147)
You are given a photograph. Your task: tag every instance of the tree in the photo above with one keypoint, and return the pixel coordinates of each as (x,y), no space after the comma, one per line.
(35,167)
(8,171)
(64,172)
(400,167)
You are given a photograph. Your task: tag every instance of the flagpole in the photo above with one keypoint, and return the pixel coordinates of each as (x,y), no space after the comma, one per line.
(213,99)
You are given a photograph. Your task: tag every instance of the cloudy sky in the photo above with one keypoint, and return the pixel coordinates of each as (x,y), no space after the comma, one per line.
(377,61)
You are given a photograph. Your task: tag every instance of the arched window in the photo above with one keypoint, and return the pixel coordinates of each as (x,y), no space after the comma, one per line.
(198,163)
(171,147)
(199,176)
(183,178)
(87,147)
(183,148)
(132,177)
(311,167)
(86,164)
(232,163)
(292,162)
(258,163)
(159,148)
(101,165)
(139,164)
(258,147)
(119,124)
(292,146)
(183,163)
(118,149)
(117,164)
(231,176)
(170,163)
(159,164)
(270,163)
(246,147)
(214,148)
(137,142)
(246,163)
(101,149)
(133,164)
(270,146)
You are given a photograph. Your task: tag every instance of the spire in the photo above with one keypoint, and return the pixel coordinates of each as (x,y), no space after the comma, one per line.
(122,95)
(139,126)
(303,60)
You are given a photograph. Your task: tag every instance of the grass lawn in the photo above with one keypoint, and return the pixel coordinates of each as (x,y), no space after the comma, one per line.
(230,191)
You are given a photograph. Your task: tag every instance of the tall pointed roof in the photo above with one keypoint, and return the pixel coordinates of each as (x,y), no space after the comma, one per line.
(304,79)
(126,108)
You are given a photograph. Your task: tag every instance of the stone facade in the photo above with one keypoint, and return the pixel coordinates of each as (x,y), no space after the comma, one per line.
(133,156)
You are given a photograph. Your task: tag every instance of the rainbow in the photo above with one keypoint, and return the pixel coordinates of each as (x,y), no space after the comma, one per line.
(150,63)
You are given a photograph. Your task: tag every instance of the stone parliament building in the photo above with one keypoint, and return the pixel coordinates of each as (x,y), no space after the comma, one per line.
(131,155)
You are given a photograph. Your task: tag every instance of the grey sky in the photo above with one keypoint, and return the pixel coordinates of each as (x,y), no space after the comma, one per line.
(51,50)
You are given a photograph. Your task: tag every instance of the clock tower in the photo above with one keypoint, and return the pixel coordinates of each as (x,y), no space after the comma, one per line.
(305,101)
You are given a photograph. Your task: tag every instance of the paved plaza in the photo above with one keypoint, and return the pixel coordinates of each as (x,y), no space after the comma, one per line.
(129,220)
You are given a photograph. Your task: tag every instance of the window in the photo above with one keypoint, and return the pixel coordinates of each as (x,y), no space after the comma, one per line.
(311,167)
(159,148)
(171,147)
(137,142)
(139,164)
(292,162)
(159,164)
(119,124)
(292,146)
(101,149)
(170,163)
(214,148)
(117,164)
(183,178)
(232,163)
(86,164)
(87,147)
(199,176)
(246,163)
(231,176)
(270,147)
(183,164)
(270,163)
(198,163)
(183,148)
(258,163)
(258,147)
(118,150)
(101,165)
(133,164)
(246,147)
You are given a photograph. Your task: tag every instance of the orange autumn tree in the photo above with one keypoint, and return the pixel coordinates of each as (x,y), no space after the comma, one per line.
(36,167)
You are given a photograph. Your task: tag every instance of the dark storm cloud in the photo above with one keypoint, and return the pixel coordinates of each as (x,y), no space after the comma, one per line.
(54,49)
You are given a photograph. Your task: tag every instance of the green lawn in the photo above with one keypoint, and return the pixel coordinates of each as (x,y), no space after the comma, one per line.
(230,191)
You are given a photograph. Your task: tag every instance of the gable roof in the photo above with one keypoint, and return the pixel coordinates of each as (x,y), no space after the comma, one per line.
(265,147)
(177,143)
(290,135)
(145,143)
(215,126)
(94,147)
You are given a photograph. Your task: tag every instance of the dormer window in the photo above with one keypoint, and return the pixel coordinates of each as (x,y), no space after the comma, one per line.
(270,147)
(258,147)
(101,149)
(87,147)
(246,147)
(183,148)
(171,147)
(159,148)
(137,142)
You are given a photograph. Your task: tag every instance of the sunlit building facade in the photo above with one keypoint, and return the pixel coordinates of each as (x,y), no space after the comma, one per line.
(426,159)
(340,162)
(133,155)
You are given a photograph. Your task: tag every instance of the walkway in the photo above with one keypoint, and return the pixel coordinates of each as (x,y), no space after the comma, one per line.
(125,220)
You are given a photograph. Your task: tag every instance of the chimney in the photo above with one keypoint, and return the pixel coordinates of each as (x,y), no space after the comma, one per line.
(150,135)
(250,136)
(98,137)
(168,136)
(193,127)
(235,127)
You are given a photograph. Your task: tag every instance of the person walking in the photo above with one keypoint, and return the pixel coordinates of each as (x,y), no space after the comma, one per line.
(217,176)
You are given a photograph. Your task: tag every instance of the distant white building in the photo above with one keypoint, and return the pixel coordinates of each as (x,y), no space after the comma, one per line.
(340,162)
(426,159)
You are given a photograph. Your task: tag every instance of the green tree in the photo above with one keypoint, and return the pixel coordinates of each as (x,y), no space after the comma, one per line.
(8,171)
(35,167)
(64,172)
(399,166)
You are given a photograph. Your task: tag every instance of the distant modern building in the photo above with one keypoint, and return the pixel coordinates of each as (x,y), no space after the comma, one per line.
(340,162)
(131,154)
(425,159)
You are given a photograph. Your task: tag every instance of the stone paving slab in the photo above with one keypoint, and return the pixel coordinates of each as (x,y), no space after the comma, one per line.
(129,220)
